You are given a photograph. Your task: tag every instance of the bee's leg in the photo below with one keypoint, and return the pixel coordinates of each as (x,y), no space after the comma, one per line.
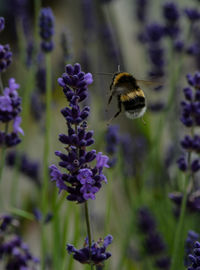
(109,100)
(117,113)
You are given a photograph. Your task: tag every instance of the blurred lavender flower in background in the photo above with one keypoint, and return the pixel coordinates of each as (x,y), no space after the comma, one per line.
(141,10)
(46,24)
(153,241)
(97,251)
(193,14)
(5,57)
(2,23)
(171,15)
(192,237)
(192,203)
(190,118)
(10,107)
(82,180)
(13,251)
(29,53)
(26,166)
(112,143)
(194,257)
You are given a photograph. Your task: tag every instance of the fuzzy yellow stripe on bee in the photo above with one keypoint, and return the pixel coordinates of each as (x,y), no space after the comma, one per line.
(132,95)
(139,92)
(117,77)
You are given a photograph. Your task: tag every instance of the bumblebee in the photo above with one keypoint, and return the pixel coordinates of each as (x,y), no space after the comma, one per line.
(129,95)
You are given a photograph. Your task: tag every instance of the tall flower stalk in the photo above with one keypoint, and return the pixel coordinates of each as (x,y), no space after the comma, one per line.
(190,164)
(82,178)
(46,25)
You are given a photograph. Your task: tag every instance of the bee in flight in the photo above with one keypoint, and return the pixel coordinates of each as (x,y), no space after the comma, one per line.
(129,94)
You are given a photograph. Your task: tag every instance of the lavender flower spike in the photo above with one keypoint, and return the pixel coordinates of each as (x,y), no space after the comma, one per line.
(81,179)
(46,24)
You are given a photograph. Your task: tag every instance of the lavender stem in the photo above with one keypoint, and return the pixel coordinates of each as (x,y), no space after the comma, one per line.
(87,218)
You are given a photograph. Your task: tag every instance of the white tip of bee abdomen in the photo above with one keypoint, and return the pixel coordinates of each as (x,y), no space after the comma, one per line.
(133,114)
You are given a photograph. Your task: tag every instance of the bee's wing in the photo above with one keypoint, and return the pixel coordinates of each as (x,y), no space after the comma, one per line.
(149,84)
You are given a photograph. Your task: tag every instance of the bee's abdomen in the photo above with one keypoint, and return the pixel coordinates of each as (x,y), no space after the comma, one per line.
(138,102)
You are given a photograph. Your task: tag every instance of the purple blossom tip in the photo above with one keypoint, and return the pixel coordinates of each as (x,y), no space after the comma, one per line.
(108,240)
(102,161)
(16,125)
(2,23)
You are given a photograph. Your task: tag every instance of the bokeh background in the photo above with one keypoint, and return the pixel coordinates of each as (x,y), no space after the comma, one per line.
(101,35)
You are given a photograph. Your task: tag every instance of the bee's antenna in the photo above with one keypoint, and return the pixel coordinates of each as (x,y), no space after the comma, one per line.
(103,73)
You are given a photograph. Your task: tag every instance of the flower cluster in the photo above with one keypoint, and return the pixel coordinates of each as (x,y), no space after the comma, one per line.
(46,24)
(192,237)
(2,24)
(81,180)
(26,166)
(195,257)
(153,241)
(154,35)
(190,118)
(171,16)
(5,53)
(10,107)
(95,255)
(13,251)
(5,57)
(192,203)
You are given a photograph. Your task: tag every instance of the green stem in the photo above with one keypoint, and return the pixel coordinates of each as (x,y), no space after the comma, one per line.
(87,218)
(37,6)
(56,233)
(46,151)
(179,230)
(3,161)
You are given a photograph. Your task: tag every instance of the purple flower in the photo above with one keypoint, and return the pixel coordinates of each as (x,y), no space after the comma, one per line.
(154,32)
(26,165)
(10,107)
(5,57)
(46,24)
(16,125)
(141,10)
(85,176)
(56,175)
(194,257)
(163,263)
(193,201)
(14,252)
(192,14)
(171,12)
(2,24)
(192,237)
(154,244)
(96,254)
(194,80)
(112,143)
(178,45)
(102,161)
(5,221)
(146,221)
(81,179)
